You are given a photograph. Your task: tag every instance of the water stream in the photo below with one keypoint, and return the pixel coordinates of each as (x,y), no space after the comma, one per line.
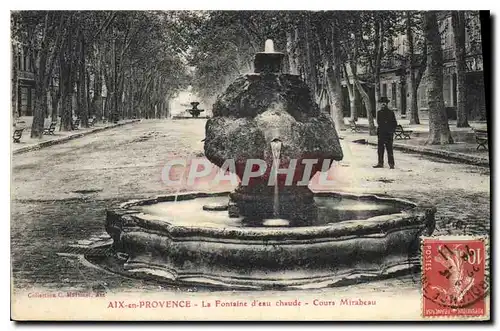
(276,151)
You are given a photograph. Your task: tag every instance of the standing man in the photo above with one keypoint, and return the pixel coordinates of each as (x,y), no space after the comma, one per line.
(387,123)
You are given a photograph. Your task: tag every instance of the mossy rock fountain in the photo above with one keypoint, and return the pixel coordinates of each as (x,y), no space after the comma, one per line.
(269,236)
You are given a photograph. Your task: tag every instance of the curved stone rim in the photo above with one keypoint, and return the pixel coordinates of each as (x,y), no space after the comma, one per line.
(268,258)
(128,215)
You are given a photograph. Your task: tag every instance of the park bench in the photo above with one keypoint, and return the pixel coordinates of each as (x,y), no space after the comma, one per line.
(354,127)
(481,138)
(18,133)
(401,133)
(75,124)
(50,129)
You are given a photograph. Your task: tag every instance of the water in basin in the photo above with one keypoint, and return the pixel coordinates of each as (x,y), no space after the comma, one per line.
(330,210)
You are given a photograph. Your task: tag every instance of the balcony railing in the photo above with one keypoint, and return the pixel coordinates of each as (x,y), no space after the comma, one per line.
(448,54)
(28,75)
(391,63)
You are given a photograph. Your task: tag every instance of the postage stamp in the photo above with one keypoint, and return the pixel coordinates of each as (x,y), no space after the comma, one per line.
(455,278)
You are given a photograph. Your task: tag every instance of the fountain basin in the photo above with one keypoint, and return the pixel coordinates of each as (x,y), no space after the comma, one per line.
(354,238)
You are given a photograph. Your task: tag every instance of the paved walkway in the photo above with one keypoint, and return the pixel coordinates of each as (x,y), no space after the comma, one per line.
(464,148)
(424,124)
(27,143)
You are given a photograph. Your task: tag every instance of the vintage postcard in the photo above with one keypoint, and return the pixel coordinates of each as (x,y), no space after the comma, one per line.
(250,165)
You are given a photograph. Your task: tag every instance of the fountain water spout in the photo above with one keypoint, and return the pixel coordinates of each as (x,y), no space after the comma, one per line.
(276,151)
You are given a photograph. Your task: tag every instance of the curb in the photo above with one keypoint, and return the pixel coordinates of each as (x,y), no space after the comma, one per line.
(455,156)
(68,138)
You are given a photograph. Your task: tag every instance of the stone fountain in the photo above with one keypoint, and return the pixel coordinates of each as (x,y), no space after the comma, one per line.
(194,111)
(269,236)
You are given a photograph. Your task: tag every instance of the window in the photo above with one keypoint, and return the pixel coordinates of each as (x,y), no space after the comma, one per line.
(384,89)
(449,34)
(25,60)
(19,61)
(454,90)
(422,95)
(28,63)
(24,100)
(446,90)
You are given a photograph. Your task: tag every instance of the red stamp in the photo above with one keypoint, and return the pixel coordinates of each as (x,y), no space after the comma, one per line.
(454,279)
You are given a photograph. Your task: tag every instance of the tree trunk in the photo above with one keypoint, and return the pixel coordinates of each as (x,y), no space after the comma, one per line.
(458,22)
(45,102)
(40,91)
(418,73)
(335,99)
(133,109)
(40,71)
(108,102)
(331,84)
(88,101)
(310,72)
(43,66)
(402,92)
(412,90)
(352,95)
(115,85)
(66,87)
(376,75)
(379,53)
(81,86)
(106,108)
(353,98)
(97,105)
(14,85)
(439,131)
(55,95)
(369,111)
(368,105)
(377,98)
(67,109)
(167,108)
(121,92)
(414,82)
(38,118)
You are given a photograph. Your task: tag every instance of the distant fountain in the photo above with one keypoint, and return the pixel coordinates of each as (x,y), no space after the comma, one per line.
(194,111)
(269,236)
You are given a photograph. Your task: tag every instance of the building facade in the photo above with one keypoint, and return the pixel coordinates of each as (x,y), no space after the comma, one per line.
(394,78)
(25,88)
(25,83)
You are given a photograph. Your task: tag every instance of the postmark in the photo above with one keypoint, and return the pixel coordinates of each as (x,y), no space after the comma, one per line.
(455,277)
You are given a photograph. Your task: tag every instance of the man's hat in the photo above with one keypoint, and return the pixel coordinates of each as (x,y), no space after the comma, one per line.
(384,99)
